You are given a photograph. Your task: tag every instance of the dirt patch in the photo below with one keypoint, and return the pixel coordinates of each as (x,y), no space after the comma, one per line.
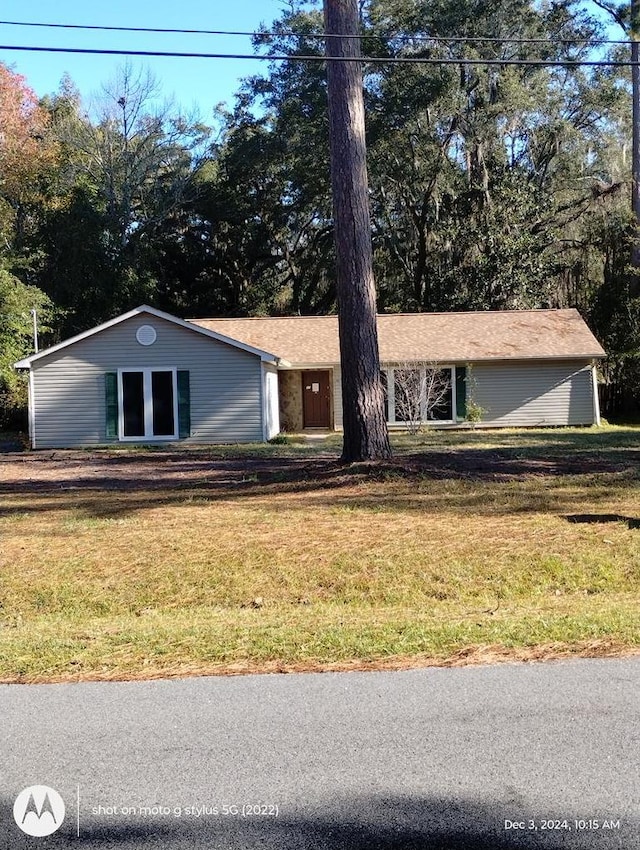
(175,470)
(494,464)
(36,472)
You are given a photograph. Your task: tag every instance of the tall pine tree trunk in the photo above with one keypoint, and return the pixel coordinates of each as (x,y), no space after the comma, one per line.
(635,123)
(365,429)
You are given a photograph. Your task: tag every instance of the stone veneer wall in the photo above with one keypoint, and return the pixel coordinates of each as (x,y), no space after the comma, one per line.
(290,390)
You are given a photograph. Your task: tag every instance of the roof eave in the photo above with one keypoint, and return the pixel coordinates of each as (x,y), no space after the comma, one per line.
(578,356)
(332,364)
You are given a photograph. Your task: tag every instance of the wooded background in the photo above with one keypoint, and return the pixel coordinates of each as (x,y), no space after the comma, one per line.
(495,186)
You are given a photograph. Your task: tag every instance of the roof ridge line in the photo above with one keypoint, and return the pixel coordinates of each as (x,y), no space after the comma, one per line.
(388,315)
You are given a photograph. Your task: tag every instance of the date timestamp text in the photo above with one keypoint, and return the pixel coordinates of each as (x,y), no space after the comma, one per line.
(560,824)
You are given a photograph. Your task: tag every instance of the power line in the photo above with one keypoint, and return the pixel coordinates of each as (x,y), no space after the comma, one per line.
(376,60)
(128,29)
(438,39)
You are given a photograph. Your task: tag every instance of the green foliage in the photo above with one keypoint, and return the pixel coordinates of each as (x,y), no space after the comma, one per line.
(280,440)
(474,411)
(615,311)
(17,300)
(491,186)
(479,172)
(122,191)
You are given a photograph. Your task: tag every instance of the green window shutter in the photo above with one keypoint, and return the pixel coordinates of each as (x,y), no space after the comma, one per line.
(184,404)
(111,406)
(461,392)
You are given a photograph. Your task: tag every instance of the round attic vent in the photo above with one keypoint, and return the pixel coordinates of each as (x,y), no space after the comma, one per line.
(146,335)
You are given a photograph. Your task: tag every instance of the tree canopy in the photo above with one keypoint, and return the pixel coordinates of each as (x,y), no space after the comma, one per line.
(492,186)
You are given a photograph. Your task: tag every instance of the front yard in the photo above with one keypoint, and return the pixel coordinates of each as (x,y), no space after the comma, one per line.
(467,547)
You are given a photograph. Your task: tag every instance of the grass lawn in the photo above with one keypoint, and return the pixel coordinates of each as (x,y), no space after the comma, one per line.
(468,546)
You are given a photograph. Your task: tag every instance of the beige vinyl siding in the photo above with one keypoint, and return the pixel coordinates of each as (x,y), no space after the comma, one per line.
(533,393)
(521,393)
(69,386)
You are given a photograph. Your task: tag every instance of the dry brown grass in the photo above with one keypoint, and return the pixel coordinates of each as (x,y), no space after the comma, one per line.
(130,565)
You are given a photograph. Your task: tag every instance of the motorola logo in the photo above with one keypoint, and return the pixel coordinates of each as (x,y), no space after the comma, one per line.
(39,810)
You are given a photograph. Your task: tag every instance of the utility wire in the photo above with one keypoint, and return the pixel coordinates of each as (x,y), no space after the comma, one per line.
(128,29)
(377,60)
(321,36)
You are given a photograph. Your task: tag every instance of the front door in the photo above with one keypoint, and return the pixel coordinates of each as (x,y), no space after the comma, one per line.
(316,402)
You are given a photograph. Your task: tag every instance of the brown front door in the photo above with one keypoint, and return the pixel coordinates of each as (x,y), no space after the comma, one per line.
(315,400)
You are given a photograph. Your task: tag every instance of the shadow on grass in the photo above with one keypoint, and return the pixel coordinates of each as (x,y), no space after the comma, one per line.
(104,485)
(37,473)
(363,823)
(630,522)
(531,440)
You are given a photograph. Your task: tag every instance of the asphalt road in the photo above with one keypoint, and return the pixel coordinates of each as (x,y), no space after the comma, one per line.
(435,758)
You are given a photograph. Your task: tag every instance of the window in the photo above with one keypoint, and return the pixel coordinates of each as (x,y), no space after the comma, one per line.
(147,404)
(439,392)
(132,404)
(415,394)
(409,395)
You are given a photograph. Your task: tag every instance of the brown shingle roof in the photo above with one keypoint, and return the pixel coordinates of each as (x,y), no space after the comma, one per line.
(430,337)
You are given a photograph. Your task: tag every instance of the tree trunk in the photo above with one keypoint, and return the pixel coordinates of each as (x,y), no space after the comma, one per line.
(365,429)
(635,156)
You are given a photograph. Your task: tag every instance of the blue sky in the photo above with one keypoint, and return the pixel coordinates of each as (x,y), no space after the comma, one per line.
(193,82)
(197,83)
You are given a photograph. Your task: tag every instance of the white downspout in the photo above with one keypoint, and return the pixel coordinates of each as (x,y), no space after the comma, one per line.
(32,411)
